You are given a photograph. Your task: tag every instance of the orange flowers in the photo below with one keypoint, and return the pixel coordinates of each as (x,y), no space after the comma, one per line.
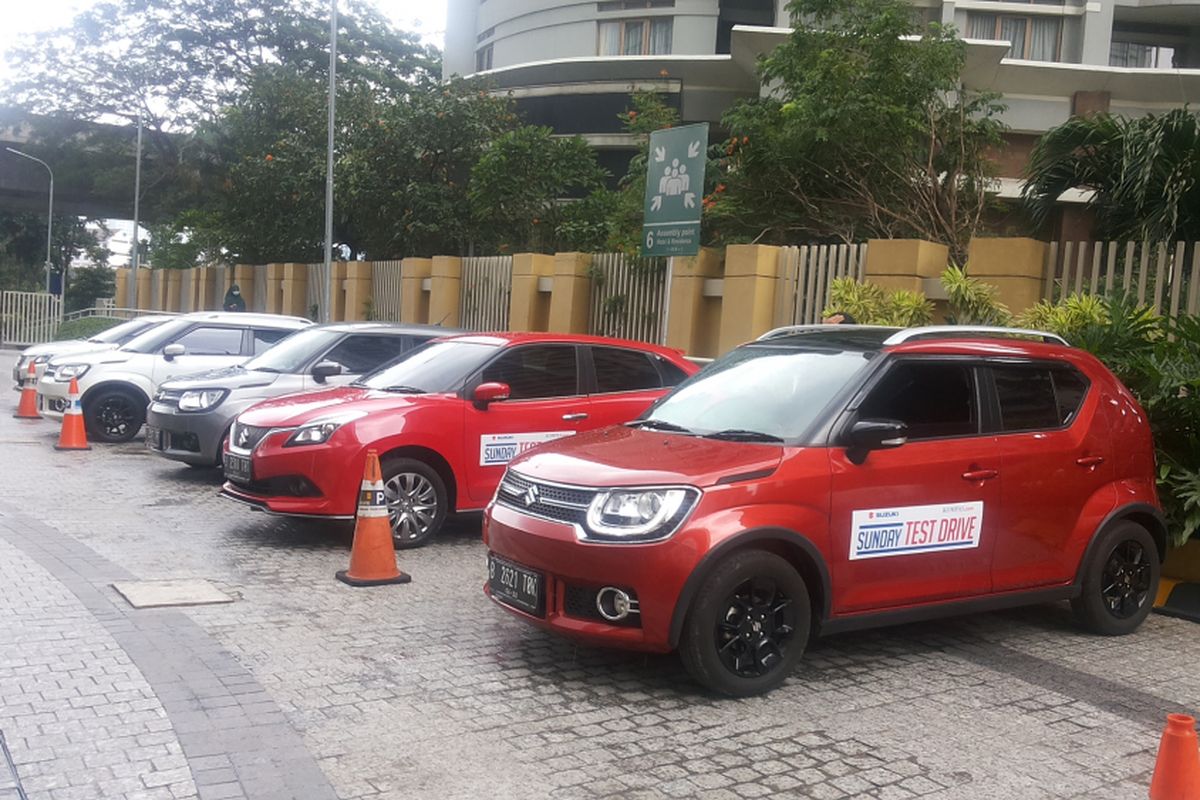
(270,157)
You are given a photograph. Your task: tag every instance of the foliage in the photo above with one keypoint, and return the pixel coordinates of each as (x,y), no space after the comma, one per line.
(517,188)
(23,248)
(190,239)
(863,131)
(971,301)
(1143,173)
(87,284)
(84,328)
(869,304)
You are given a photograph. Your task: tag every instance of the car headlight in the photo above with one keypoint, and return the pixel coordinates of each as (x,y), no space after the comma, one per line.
(201,399)
(638,515)
(68,371)
(40,359)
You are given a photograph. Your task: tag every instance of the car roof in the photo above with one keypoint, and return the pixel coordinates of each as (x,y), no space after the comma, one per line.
(390,328)
(946,339)
(248,317)
(504,338)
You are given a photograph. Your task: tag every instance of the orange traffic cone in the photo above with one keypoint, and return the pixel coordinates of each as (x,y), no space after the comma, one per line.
(73,436)
(28,406)
(1177,771)
(373,555)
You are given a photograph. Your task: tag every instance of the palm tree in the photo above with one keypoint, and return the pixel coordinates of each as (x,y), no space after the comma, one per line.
(1143,172)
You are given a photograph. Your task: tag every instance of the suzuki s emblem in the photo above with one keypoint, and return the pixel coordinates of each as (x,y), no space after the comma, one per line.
(243,437)
(531,496)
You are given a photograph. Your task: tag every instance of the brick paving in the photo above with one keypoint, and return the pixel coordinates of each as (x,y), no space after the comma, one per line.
(425,690)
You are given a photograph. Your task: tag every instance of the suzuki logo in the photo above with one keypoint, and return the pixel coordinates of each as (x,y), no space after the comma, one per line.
(531,495)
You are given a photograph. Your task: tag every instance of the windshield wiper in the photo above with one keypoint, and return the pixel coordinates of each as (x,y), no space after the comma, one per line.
(658,425)
(740,435)
(403,389)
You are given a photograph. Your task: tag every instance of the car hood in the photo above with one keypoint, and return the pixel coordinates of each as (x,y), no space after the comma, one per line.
(291,410)
(622,456)
(92,357)
(234,377)
(67,347)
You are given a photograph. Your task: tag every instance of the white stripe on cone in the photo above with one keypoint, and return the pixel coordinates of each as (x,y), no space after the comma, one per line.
(372,502)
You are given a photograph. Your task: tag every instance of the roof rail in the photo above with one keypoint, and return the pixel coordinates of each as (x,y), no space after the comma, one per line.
(966,331)
(788,330)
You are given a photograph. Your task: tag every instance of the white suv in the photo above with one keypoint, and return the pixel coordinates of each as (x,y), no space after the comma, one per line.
(116,385)
(109,339)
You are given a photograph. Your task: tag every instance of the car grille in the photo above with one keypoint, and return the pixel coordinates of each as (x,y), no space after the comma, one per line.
(246,437)
(547,500)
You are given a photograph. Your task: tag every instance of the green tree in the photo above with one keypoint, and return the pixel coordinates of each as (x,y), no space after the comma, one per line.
(89,284)
(519,190)
(23,248)
(864,131)
(1143,173)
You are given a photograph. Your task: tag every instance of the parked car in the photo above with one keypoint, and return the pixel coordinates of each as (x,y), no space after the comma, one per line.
(116,386)
(823,480)
(444,421)
(109,339)
(189,417)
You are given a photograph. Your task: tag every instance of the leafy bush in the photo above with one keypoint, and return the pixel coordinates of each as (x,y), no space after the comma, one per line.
(871,305)
(971,301)
(84,328)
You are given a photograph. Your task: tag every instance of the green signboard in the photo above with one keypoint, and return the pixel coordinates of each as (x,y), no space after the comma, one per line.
(674,190)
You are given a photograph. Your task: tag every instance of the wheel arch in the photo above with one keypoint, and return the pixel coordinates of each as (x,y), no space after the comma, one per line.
(435,460)
(794,547)
(119,385)
(1143,514)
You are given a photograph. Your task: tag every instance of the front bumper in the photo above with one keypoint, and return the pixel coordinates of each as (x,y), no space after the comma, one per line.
(312,481)
(20,372)
(53,398)
(653,572)
(193,438)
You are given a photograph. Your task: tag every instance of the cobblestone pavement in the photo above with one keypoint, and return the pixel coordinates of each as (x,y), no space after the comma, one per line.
(304,687)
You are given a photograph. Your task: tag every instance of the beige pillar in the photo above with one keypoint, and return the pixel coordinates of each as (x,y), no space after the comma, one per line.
(205,277)
(337,292)
(570,293)
(414,299)
(1015,266)
(273,302)
(356,289)
(904,263)
(528,305)
(694,319)
(243,276)
(748,302)
(144,300)
(294,289)
(174,281)
(122,286)
(445,288)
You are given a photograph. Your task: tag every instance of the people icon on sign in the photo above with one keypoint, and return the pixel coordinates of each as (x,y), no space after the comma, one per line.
(675,180)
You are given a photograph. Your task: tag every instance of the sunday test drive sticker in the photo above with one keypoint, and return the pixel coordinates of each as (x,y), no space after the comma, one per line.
(500,448)
(906,530)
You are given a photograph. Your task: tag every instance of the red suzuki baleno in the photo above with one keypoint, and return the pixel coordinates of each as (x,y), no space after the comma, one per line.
(824,479)
(444,419)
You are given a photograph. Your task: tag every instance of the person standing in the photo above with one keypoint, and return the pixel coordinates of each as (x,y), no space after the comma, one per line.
(234,300)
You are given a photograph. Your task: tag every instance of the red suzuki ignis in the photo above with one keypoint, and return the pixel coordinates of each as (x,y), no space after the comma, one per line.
(830,478)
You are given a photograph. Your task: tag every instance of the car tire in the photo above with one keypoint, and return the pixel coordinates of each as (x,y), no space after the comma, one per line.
(1119,582)
(748,626)
(417,501)
(113,415)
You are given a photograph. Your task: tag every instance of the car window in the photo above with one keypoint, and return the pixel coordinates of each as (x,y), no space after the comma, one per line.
(359,353)
(933,399)
(619,370)
(671,374)
(536,371)
(1027,399)
(1069,390)
(265,338)
(208,341)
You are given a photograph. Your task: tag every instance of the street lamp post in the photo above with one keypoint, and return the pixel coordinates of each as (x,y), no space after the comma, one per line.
(49,216)
(326,290)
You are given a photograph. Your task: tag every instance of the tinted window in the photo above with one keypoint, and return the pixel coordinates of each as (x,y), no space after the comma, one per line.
(1026,396)
(933,400)
(671,374)
(265,338)
(358,353)
(1069,390)
(537,371)
(620,370)
(204,341)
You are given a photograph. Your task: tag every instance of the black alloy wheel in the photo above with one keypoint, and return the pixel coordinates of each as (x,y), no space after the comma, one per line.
(113,416)
(753,630)
(1126,579)
(1119,581)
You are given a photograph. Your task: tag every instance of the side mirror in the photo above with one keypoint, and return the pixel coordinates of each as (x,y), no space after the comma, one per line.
(489,393)
(172,350)
(874,434)
(324,370)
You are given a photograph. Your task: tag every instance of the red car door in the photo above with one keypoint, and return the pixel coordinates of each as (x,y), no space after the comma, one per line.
(545,403)
(916,523)
(625,383)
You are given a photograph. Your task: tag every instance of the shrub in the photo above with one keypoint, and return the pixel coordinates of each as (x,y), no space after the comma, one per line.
(84,328)
(871,305)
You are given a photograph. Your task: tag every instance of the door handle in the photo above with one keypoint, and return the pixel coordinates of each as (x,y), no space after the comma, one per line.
(979,474)
(1090,461)
(574,417)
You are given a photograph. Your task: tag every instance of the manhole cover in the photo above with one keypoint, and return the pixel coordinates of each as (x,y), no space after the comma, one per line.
(184,592)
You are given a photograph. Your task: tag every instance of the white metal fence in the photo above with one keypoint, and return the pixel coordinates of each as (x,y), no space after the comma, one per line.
(484,293)
(1164,275)
(385,291)
(805,273)
(28,317)
(628,297)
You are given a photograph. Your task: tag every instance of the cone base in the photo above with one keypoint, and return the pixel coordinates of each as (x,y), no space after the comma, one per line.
(345,577)
(27,416)
(63,447)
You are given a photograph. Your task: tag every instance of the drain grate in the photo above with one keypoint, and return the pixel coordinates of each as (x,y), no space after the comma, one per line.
(10,781)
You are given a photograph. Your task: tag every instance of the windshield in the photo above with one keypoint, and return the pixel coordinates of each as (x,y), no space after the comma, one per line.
(150,341)
(434,367)
(119,334)
(757,393)
(292,353)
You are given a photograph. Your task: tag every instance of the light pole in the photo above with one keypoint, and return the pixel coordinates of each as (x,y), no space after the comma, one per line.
(134,252)
(49,217)
(326,292)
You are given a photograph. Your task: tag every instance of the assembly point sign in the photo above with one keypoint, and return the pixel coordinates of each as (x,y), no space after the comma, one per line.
(674,189)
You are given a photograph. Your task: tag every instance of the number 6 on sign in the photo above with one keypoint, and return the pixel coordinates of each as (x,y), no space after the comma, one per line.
(649,238)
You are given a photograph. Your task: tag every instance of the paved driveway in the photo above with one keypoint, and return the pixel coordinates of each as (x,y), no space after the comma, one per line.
(307,688)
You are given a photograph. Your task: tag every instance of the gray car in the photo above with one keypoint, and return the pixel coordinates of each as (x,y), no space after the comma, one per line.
(190,416)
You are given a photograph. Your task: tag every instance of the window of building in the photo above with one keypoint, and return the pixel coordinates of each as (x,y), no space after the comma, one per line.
(483,59)
(1031,38)
(635,37)
(627,5)
(1146,56)
(486,34)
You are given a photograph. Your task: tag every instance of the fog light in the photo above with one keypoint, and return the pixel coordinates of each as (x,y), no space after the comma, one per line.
(615,604)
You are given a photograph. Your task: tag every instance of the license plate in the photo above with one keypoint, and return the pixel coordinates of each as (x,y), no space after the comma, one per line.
(153,438)
(237,468)
(516,586)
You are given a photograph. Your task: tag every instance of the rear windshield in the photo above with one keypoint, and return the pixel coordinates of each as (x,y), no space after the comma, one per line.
(120,334)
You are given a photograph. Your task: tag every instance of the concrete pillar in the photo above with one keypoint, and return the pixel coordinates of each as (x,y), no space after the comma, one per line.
(243,276)
(904,263)
(337,293)
(174,281)
(121,292)
(357,289)
(445,288)
(144,301)
(273,302)
(748,302)
(528,305)
(570,293)
(205,277)
(1097,22)
(293,289)
(694,319)
(1015,266)
(414,299)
